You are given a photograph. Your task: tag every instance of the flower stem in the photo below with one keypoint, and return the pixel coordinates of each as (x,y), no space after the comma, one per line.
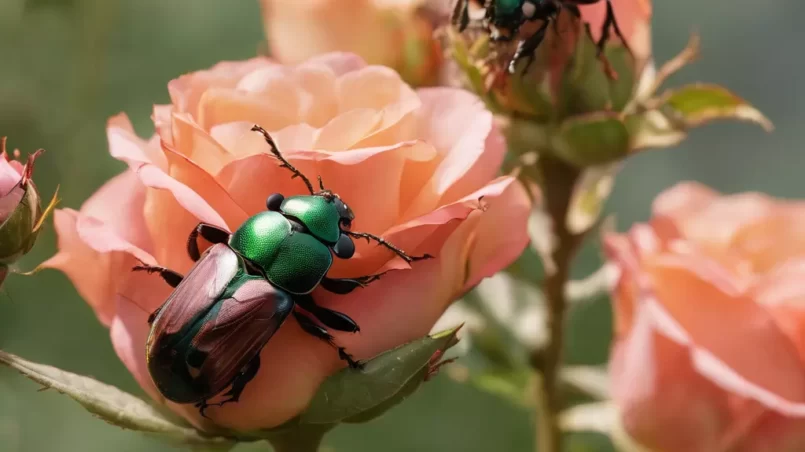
(558,181)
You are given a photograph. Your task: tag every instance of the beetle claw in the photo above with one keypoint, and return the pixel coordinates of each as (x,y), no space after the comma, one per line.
(202,407)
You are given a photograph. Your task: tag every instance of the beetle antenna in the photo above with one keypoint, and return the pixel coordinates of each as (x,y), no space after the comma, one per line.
(278,155)
(321,184)
(383,242)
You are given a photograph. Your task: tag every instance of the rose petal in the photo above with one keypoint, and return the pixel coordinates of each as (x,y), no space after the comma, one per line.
(747,340)
(460,127)
(186,91)
(664,403)
(95,274)
(501,234)
(126,146)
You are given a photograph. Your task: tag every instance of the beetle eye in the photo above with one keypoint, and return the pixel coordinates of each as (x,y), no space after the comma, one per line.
(344,248)
(346,223)
(274,202)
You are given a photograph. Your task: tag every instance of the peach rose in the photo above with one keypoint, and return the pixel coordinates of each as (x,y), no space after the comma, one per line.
(395,33)
(412,165)
(710,323)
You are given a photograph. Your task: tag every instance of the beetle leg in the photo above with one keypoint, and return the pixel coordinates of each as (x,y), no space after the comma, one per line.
(310,327)
(202,407)
(171,277)
(329,318)
(609,21)
(528,47)
(383,242)
(461,14)
(212,234)
(343,286)
(240,381)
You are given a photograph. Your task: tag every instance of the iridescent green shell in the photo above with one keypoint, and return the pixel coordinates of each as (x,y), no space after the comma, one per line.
(318,214)
(507,7)
(292,260)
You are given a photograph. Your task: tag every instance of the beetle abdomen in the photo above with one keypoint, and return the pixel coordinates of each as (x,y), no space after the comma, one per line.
(212,325)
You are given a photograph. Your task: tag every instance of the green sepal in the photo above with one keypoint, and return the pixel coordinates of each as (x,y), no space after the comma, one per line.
(353,395)
(697,104)
(585,86)
(592,139)
(588,87)
(114,406)
(17,234)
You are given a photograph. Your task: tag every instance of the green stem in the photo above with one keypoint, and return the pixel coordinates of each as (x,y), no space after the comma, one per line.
(559,179)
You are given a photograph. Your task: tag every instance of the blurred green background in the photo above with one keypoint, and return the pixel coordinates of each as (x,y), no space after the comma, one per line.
(67,65)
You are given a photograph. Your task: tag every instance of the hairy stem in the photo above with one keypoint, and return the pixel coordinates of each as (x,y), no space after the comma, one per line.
(559,179)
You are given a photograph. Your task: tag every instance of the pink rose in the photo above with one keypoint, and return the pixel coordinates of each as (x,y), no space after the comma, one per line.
(412,165)
(710,323)
(394,33)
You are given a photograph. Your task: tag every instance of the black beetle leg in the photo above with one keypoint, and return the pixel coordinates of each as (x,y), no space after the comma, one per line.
(212,234)
(528,47)
(202,407)
(329,318)
(310,327)
(343,286)
(610,21)
(461,14)
(240,381)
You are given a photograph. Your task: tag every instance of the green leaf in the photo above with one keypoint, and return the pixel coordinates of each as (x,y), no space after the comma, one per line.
(353,395)
(592,139)
(697,104)
(111,404)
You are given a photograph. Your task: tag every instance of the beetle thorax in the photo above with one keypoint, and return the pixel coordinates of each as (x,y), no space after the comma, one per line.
(259,238)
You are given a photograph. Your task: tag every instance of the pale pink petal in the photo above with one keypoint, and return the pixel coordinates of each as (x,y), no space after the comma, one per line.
(9,177)
(664,403)
(221,106)
(241,141)
(95,274)
(460,127)
(186,91)
(320,102)
(740,352)
(154,177)
(126,146)
(347,129)
(129,331)
(119,204)
(372,87)
(340,63)
(421,235)
(500,235)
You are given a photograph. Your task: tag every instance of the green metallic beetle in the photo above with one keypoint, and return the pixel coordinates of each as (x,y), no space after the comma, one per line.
(208,334)
(510,15)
